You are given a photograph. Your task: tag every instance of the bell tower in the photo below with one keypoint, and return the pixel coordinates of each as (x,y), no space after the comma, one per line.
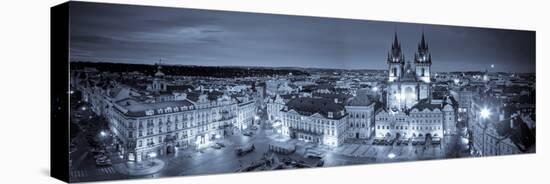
(159,83)
(423,61)
(396,60)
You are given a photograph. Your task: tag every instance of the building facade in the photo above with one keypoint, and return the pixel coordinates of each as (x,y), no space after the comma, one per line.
(315,120)
(361,116)
(162,127)
(410,110)
(408,85)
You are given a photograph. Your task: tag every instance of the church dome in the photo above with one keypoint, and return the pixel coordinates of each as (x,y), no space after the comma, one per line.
(159,72)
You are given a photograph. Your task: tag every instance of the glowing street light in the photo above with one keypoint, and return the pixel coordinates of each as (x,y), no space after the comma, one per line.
(391,155)
(102,133)
(485,113)
(375,89)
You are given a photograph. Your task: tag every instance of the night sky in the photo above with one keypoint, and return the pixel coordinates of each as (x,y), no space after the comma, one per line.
(138,34)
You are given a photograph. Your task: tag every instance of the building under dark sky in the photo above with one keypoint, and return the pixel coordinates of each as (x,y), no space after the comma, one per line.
(140,34)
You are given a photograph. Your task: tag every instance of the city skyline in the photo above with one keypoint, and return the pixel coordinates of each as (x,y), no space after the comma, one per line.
(218,38)
(157,92)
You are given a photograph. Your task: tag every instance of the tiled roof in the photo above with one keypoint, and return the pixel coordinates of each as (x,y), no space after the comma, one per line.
(308,106)
(425,103)
(138,109)
(520,134)
(361,99)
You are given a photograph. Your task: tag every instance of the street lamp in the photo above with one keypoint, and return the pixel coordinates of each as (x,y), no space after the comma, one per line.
(391,155)
(485,113)
(102,133)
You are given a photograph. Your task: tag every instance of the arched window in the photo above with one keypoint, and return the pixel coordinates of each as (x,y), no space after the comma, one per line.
(423,72)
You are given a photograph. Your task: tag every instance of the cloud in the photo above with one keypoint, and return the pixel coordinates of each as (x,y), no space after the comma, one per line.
(201,37)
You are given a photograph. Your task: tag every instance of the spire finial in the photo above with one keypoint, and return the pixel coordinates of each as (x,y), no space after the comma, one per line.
(395,40)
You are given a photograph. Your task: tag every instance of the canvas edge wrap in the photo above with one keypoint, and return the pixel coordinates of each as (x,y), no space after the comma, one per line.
(59,86)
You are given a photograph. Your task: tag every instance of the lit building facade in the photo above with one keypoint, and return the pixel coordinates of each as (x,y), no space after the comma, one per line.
(360,116)
(315,120)
(408,85)
(410,110)
(274,106)
(160,128)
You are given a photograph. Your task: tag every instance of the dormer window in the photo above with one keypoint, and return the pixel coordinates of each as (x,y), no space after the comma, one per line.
(330,114)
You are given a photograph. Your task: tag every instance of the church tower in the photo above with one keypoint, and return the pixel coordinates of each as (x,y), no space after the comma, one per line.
(159,84)
(396,60)
(423,64)
(423,61)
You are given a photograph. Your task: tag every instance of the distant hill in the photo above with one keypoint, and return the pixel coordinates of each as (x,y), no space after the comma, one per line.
(190,70)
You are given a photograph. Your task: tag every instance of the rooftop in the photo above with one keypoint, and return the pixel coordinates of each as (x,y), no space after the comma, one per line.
(138,109)
(308,106)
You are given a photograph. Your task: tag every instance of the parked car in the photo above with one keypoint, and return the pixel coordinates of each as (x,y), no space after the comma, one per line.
(247,133)
(216,146)
(100,156)
(103,162)
(96,151)
(313,153)
(220,144)
(243,150)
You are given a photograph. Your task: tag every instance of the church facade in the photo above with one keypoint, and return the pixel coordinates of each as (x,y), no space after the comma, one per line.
(407,85)
(410,111)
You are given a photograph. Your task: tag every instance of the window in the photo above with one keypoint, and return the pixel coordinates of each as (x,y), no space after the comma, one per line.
(423,72)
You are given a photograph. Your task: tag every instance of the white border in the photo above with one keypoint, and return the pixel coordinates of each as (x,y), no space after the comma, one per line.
(25,89)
